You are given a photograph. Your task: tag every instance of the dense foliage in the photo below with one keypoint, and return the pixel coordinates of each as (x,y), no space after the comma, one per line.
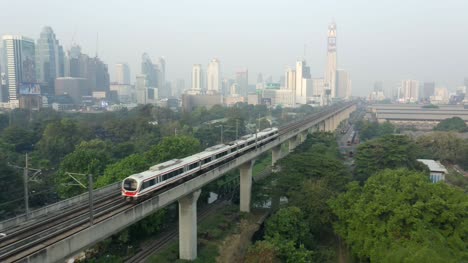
(444,146)
(302,231)
(400,216)
(456,124)
(389,151)
(369,130)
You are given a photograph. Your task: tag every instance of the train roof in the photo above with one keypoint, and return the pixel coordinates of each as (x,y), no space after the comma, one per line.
(164,165)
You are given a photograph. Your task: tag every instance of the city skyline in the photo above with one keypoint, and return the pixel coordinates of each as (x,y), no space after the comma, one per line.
(373,45)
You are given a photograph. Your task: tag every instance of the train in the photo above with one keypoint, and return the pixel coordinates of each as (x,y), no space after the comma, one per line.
(162,175)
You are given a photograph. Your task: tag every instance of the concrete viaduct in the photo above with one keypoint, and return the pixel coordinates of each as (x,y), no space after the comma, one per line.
(187,193)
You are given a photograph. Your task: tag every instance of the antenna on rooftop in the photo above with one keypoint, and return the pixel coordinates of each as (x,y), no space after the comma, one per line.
(97,43)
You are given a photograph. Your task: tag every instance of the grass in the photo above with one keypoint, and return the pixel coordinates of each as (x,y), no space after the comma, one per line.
(456,179)
(210,233)
(261,164)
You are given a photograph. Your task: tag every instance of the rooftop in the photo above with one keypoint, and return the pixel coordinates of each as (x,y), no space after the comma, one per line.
(434,166)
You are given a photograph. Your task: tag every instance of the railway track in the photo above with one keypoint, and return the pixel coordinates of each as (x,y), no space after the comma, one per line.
(171,234)
(26,241)
(39,233)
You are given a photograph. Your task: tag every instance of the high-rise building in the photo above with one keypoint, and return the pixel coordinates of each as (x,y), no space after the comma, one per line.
(19,54)
(378,86)
(465,83)
(213,76)
(197,79)
(150,70)
(330,72)
(343,84)
(50,60)
(428,90)
(441,96)
(94,70)
(259,78)
(122,73)
(164,90)
(179,88)
(242,80)
(290,80)
(302,73)
(409,91)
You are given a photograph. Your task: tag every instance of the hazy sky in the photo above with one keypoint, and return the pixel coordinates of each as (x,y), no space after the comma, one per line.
(386,40)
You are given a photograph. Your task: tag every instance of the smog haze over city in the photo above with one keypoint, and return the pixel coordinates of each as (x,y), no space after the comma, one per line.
(376,40)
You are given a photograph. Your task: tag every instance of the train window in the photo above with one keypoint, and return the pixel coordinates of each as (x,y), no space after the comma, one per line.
(130,184)
(193,166)
(219,155)
(207,160)
(152,182)
(145,185)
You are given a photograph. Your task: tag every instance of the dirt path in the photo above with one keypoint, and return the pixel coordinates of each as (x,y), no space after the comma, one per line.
(234,247)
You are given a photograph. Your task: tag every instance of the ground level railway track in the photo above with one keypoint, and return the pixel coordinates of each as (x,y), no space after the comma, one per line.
(172,234)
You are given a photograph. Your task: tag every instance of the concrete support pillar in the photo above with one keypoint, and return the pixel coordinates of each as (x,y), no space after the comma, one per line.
(245,186)
(304,135)
(292,144)
(275,154)
(322,126)
(188,226)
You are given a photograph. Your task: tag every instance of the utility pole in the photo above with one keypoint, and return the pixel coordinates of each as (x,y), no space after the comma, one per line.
(90,191)
(26,194)
(222,134)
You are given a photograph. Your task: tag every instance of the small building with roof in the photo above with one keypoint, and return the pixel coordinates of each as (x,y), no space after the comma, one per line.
(437,171)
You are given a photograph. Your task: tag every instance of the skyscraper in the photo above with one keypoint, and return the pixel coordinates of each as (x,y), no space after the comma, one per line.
(150,70)
(428,90)
(343,84)
(122,71)
(290,80)
(20,65)
(163,89)
(302,73)
(94,70)
(409,91)
(242,79)
(49,60)
(213,76)
(197,79)
(330,72)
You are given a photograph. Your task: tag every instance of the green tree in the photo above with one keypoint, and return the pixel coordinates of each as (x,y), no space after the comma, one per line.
(118,171)
(312,198)
(20,138)
(10,188)
(452,124)
(398,213)
(90,157)
(288,224)
(444,146)
(59,139)
(389,151)
(173,147)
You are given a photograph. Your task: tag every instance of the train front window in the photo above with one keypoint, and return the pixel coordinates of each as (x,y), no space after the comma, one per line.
(130,185)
